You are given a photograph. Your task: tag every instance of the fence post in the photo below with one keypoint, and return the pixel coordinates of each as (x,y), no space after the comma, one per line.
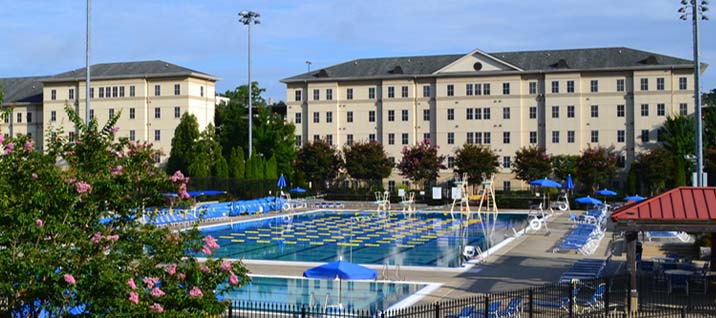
(487,306)
(571,299)
(531,299)
(683,312)
(605,301)
(231,309)
(437,310)
(628,295)
(303,311)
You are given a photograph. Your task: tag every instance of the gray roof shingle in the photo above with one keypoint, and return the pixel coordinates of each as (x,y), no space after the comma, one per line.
(22,90)
(129,69)
(528,61)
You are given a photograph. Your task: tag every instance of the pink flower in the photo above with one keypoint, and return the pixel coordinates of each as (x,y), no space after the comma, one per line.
(150,281)
(112,238)
(115,130)
(131,284)
(206,250)
(69,279)
(8,148)
(226,266)
(29,146)
(2,138)
(233,279)
(172,269)
(195,292)
(157,308)
(156,292)
(83,187)
(70,180)
(117,170)
(34,176)
(210,242)
(134,297)
(39,222)
(177,177)
(205,269)
(181,276)
(96,238)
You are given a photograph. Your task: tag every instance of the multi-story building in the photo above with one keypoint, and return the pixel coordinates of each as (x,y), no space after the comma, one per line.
(562,100)
(149,96)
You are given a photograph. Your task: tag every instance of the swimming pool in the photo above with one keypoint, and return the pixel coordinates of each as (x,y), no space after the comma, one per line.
(356,295)
(424,239)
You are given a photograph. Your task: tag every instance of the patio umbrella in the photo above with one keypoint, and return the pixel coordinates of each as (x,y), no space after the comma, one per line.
(297,190)
(281,182)
(341,270)
(635,198)
(546,183)
(588,200)
(605,192)
(569,184)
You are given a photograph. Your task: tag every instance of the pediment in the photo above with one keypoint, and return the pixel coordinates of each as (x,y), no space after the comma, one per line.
(477,61)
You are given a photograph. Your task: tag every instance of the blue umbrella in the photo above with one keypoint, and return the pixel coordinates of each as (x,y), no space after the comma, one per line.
(546,183)
(297,190)
(635,198)
(588,200)
(605,192)
(341,270)
(569,184)
(281,182)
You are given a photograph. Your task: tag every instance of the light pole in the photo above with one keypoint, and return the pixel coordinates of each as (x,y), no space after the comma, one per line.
(697,13)
(247,18)
(308,63)
(87,67)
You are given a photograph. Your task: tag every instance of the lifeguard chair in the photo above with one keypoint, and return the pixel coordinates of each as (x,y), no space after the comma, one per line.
(382,201)
(408,203)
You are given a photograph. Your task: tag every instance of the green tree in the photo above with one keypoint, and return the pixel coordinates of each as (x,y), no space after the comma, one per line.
(255,167)
(200,166)
(275,137)
(367,161)
(678,137)
(318,162)
(564,165)
(531,163)
(709,99)
(221,169)
(270,170)
(185,138)
(237,163)
(709,125)
(421,163)
(710,165)
(476,160)
(596,167)
(650,168)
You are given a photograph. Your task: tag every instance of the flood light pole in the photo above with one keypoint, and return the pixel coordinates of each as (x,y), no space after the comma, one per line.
(247,18)
(87,67)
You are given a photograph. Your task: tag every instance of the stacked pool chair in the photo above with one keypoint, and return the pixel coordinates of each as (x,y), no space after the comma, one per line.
(585,269)
(585,237)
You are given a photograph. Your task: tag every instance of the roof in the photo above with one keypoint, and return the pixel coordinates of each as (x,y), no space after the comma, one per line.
(128,70)
(683,208)
(21,90)
(528,61)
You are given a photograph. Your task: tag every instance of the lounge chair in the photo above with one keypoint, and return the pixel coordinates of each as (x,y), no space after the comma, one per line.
(681,236)
(492,310)
(513,309)
(678,281)
(597,299)
(466,311)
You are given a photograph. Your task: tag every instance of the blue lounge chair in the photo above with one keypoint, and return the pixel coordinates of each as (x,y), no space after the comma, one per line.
(466,311)
(513,309)
(492,309)
(597,299)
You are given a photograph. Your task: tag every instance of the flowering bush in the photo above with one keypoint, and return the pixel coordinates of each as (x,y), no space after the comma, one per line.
(71,243)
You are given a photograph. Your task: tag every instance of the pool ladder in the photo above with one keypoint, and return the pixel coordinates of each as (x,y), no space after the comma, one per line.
(396,274)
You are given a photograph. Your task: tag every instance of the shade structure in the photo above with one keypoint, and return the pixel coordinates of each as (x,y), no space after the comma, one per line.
(341,270)
(569,184)
(635,198)
(546,183)
(588,200)
(281,182)
(297,190)
(605,192)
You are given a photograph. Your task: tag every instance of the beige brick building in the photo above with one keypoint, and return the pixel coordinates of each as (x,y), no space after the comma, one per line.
(562,100)
(151,96)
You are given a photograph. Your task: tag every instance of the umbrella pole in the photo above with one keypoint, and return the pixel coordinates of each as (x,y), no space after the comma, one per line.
(340,289)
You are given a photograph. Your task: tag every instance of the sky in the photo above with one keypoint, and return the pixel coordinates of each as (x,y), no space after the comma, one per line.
(45,37)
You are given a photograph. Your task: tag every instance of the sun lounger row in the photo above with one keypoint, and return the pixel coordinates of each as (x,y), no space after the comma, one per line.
(328,205)
(681,236)
(592,216)
(512,309)
(584,239)
(585,269)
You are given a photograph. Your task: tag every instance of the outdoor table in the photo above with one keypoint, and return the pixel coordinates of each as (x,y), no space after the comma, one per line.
(671,272)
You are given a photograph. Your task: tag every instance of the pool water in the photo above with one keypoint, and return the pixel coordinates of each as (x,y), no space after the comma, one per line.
(354,295)
(423,239)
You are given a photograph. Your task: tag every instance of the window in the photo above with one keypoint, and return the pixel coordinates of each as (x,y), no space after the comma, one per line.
(53,94)
(450,90)
(298,141)
(486,113)
(451,162)
(329,140)
(177,89)
(53,115)
(201,91)
(570,136)
(91,113)
(177,112)
(478,89)
(469,114)
(682,83)
(620,111)
(506,185)
(316,138)
(404,92)
(349,117)
(683,108)
(533,112)
(470,137)
(426,114)
(555,87)
(115,91)
(468,89)
(391,92)
(132,91)
(157,135)
(19,117)
(297,118)
(570,86)
(316,117)
(478,138)
(533,88)
(426,91)
(505,137)
(486,137)
(329,117)
(505,113)
(505,88)
(644,135)
(555,137)
(661,110)
(570,111)
(621,161)
(157,90)
(91,92)
(349,139)
(595,136)
(371,116)
(101,92)
(595,111)
(555,111)
(316,94)
(620,85)
(486,89)
(132,135)
(391,183)
(644,110)
(349,94)
(371,137)
(450,114)
(391,115)
(659,83)
(71,136)
(644,84)
(329,94)
(621,136)
(371,92)
(478,113)
(594,86)
(121,91)
(426,137)
(108,92)
(533,137)
(451,138)
(659,136)
(157,113)
(111,112)
(71,93)
(506,162)
(404,115)
(132,113)
(404,138)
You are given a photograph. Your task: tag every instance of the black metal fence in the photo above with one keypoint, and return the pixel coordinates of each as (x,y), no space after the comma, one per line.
(235,188)
(603,297)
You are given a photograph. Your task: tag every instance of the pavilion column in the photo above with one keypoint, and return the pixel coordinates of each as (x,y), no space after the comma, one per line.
(712,266)
(631,238)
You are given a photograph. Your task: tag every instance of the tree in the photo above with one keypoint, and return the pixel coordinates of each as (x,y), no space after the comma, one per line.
(650,168)
(709,125)
(678,137)
(476,160)
(421,163)
(710,165)
(200,166)
(531,163)
(237,164)
(255,167)
(71,235)
(270,170)
(596,166)
(709,99)
(274,137)
(319,162)
(367,161)
(185,137)
(564,165)
(221,169)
